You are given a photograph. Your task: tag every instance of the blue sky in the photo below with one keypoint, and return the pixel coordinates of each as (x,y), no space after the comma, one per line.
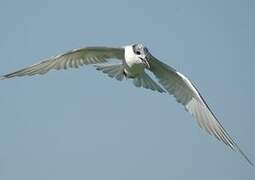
(80,124)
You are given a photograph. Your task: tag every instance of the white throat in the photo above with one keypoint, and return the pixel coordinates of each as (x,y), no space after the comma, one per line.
(133,65)
(130,57)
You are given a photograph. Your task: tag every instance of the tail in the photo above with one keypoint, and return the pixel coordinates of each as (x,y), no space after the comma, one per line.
(144,80)
(113,71)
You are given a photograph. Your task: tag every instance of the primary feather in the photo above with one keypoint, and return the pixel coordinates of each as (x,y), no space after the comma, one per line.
(134,60)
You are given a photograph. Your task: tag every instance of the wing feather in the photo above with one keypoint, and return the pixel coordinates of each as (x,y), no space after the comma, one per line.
(186,93)
(71,59)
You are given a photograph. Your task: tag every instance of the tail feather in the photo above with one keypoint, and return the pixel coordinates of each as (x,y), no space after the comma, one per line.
(113,71)
(117,72)
(144,80)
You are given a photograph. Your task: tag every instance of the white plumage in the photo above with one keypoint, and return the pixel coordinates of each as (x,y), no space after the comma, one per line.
(134,61)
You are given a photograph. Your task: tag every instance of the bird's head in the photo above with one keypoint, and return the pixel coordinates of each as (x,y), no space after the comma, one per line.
(142,53)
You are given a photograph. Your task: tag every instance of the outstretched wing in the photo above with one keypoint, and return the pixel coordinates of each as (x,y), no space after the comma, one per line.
(71,59)
(186,93)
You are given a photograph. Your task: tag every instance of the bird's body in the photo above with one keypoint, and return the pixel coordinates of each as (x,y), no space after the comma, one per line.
(133,66)
(135,60)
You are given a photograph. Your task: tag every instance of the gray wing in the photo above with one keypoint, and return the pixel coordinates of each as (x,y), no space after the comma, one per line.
(186,93)
(71,59)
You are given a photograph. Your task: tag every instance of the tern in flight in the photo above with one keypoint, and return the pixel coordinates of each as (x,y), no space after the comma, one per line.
(135,60)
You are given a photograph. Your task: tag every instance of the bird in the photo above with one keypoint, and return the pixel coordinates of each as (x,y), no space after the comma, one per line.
(134,62)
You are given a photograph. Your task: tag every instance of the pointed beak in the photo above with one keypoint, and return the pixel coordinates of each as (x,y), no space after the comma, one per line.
(145,62)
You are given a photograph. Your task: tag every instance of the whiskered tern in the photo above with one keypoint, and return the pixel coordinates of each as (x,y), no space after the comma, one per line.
(135,59)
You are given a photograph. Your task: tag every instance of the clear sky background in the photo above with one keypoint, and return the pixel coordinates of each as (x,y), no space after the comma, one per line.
(80,124)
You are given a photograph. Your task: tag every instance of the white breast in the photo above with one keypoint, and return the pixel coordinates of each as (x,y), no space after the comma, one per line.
(130,56)
(133,65)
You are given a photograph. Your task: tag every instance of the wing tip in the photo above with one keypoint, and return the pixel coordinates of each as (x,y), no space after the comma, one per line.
(244,155)
(2,77)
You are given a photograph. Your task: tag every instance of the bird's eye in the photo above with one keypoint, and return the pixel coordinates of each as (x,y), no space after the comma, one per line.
(138,52)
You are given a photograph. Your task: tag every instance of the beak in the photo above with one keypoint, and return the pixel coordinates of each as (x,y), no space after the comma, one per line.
(145,62)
